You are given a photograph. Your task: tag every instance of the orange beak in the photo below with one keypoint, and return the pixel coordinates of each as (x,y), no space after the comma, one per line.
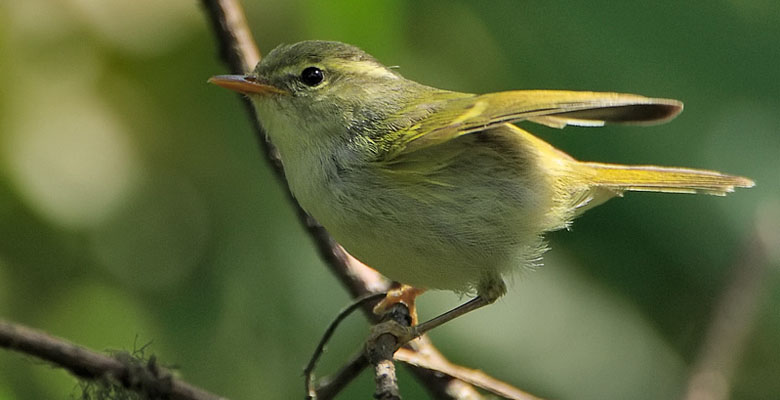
(245,84)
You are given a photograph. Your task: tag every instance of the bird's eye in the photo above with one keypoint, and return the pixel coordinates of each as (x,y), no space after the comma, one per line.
(312,76)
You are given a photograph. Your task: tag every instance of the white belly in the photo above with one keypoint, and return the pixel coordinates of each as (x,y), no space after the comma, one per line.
(466,224)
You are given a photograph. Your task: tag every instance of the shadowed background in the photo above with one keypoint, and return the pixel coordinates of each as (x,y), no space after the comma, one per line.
(135,206)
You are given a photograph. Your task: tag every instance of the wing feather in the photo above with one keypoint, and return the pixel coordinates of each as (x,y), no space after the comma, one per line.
(556,108)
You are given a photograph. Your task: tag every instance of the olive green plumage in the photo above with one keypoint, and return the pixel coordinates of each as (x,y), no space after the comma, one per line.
(434,188)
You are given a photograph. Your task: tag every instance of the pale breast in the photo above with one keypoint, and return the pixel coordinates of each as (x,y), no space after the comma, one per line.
(444,218)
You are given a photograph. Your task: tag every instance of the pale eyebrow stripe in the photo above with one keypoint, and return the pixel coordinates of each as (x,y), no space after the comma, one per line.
(371,69)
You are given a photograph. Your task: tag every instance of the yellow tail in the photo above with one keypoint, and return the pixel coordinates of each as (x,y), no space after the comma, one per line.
(649,178)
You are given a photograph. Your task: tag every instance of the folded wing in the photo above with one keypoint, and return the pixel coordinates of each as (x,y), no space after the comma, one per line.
(556,108)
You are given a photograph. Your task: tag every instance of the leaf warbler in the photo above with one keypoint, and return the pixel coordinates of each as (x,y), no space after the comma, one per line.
(438,189)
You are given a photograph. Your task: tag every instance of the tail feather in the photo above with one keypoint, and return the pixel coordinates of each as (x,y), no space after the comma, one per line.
(649,178)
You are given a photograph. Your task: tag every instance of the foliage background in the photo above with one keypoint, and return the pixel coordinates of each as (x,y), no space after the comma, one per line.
(135,207)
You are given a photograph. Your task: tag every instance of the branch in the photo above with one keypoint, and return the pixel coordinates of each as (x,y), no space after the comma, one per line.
(380,348)
(236,46)
(308,372)
(735,311)
(330,386)
(149,379)
(384,372)
(428,357)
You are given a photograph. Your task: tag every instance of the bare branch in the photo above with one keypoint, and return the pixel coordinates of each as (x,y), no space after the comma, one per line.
(308,372)
(428,357)
(381,347)
(330,386)
(386,381)
(87,364)
(735,312)
(237,47)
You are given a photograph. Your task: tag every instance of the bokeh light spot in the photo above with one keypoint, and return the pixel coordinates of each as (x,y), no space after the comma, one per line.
(71,160)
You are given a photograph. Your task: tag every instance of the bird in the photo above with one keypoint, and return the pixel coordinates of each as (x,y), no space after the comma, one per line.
(438,189)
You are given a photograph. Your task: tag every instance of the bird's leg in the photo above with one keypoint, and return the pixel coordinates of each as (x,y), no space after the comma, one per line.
(403,294)
(471,305)
(489,290)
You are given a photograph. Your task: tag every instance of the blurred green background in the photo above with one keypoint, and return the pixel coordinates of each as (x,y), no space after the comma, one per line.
(135,206)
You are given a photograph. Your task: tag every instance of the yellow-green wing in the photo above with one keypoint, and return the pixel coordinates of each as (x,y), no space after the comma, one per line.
(556,108)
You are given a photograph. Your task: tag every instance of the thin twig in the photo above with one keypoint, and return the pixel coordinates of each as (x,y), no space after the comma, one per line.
(735,312)
(236,45)
(329,386)
(428,357)
(308,372)
(90,365)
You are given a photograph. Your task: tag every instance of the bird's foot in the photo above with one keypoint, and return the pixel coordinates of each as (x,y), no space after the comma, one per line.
(403,294)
